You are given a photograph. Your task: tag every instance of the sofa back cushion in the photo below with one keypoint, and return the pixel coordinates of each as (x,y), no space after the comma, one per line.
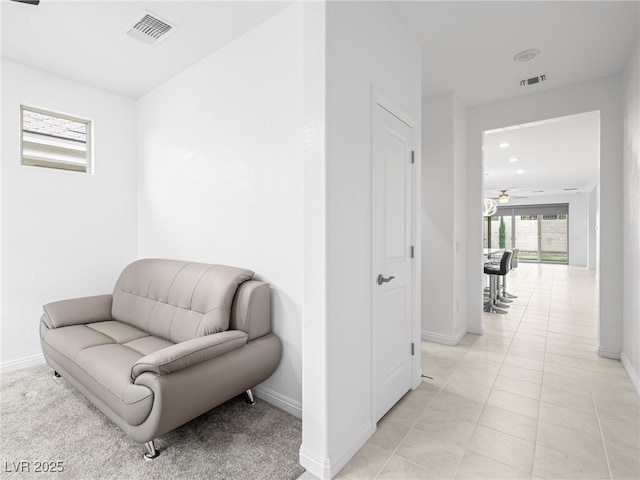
(176,300)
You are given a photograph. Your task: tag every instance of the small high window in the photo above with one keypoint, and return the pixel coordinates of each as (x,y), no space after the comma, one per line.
(54,140)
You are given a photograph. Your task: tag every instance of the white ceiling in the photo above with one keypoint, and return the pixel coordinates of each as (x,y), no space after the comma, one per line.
(468,46)
(85,40)
(555,155)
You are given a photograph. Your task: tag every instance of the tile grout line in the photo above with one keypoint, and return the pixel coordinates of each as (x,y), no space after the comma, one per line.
(595,407)
(423,413)
(544,365)
(501,340)
(420,417)
(588,372)
(408,432)
(484,406)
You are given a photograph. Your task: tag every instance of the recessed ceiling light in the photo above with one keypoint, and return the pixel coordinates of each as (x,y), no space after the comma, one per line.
(521,171)
(513,159)
(504,145)
(526,55)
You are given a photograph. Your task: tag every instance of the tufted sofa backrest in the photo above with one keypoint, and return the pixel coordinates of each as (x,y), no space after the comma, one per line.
(176,300)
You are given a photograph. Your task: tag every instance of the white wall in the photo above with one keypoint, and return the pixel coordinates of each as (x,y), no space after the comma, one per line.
(578,221)
(631,220)
(221,174)
(592,229)
(461,325)
(603,95)
(438,179)
(366,47)
(65,234)
(315,347)
(444,219)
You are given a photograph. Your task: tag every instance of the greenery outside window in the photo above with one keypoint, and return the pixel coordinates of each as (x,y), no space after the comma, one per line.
(54,140)
(539,232)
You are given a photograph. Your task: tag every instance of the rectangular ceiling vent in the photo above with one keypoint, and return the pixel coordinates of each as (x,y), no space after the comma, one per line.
(527,82)
(149,28)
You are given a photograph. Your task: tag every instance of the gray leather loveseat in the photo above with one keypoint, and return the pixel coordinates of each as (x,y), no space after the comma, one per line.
(174,340)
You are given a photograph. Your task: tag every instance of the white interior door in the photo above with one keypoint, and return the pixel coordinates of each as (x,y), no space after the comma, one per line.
(392,253)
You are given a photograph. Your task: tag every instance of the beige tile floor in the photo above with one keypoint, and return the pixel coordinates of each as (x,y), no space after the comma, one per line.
(528,399)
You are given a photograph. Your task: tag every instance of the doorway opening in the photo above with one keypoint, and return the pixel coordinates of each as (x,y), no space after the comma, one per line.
(543,178)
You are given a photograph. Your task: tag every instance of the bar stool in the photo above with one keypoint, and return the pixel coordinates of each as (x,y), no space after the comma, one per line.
(493,304)
(503,295)
(499,293)
(514,264)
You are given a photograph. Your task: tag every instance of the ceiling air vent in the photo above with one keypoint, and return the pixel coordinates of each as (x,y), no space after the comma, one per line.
(533,80)
(149,28)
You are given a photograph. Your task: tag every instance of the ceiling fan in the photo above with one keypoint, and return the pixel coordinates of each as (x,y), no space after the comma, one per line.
(504,196)
(29,2)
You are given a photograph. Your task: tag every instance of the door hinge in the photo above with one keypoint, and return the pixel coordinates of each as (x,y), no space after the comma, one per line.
(411,251)
(413,156)
(413,349)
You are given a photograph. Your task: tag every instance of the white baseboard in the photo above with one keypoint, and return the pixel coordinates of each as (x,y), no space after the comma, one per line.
(631,373)
(327,468)
(317,468)
(338,461)
(443,339)
(477,331)
(608,353)
(20,363)
(287,404)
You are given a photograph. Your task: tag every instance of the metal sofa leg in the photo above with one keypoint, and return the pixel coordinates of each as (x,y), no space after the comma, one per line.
(250,399)
(151,451)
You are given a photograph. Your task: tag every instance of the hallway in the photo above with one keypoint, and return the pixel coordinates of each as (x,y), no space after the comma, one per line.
(529,399)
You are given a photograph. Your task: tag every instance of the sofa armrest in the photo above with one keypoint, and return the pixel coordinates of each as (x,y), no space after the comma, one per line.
(77,311)
(251,310)
(191,352)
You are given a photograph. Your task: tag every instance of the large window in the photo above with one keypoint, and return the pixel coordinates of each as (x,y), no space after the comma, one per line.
(540,232)
(54,140)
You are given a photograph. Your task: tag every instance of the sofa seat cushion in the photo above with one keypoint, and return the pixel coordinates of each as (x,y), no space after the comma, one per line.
(105,353)
(119,332)
(69,341)
(147,345)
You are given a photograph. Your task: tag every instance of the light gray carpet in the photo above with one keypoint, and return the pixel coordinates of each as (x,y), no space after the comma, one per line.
(46,420)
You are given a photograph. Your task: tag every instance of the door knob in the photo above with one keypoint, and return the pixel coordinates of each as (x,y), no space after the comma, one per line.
(382,280)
